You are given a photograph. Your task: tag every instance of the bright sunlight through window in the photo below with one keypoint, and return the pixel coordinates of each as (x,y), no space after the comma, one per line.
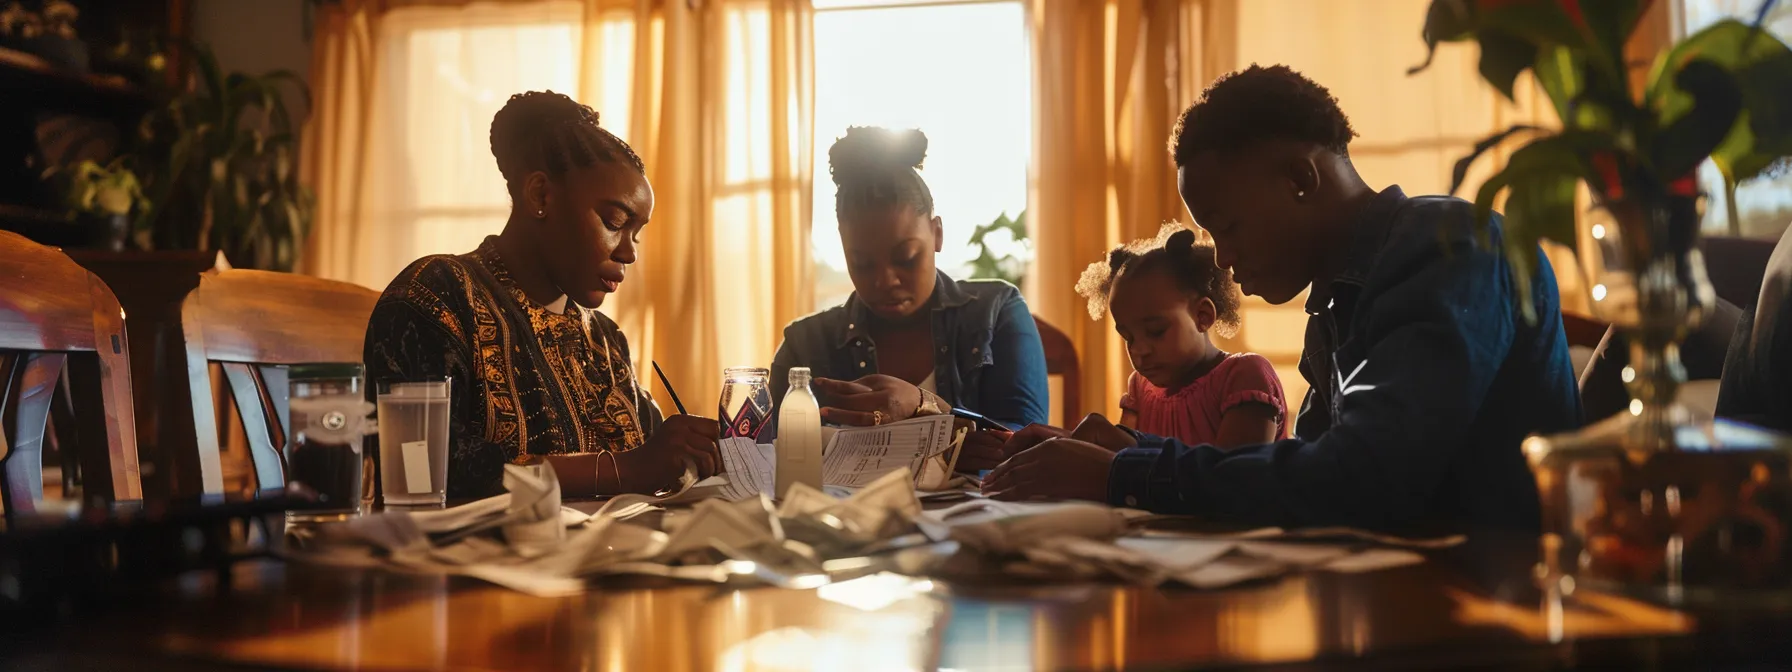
(958,71)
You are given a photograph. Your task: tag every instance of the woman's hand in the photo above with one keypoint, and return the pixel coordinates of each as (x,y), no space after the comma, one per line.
(1055,469)
(680,440)
(982,449)
(1029,436)
(861,402)
(1096,429)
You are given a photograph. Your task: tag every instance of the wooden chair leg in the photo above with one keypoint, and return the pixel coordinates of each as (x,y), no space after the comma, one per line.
(107,453)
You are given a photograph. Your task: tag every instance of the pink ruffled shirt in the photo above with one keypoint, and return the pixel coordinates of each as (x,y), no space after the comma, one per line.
(1192,414)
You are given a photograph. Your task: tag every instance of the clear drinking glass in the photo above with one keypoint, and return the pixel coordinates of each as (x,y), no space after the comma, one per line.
(414,442)
(328,411)
(746,402)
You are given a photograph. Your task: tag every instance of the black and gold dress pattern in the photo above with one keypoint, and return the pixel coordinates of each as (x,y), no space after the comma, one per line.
(526,381)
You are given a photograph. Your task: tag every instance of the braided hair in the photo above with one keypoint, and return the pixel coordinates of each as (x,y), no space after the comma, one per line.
(877,168)
(1176,251)
(549,132)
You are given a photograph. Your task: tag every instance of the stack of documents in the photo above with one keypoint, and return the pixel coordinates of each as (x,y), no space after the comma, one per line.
(852,458)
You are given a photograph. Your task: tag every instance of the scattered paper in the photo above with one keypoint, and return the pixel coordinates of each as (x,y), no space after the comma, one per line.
(859,455)
(528,541)
(749,470)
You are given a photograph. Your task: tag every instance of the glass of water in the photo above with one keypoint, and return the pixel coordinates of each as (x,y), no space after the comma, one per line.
(323,449)
(414,442)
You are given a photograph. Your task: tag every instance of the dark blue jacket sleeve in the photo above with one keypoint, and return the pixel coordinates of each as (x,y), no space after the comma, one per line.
(1428,355)
(1014,388)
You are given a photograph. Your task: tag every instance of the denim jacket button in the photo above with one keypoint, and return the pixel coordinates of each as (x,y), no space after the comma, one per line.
(861,365)
(1132,501)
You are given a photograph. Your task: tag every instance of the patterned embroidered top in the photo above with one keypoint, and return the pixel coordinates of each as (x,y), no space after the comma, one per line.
(526,381)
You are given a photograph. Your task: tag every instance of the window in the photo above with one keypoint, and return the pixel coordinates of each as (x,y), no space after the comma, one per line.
(1764,204)
(959,71)
(433,187)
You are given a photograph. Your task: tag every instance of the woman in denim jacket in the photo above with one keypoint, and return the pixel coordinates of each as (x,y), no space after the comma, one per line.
(910,340)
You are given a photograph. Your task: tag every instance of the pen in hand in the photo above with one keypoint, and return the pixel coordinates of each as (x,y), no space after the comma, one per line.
(669,390)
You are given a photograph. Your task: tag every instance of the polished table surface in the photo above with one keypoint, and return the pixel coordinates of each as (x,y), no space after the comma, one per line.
(1470,607)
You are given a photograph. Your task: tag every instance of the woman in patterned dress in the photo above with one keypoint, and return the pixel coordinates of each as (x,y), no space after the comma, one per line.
(538,373)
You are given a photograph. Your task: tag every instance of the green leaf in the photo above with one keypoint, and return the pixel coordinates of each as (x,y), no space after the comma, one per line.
(1503,57)
(1717,99)
(1555,157)
(1611,23)
(1559,73)
(1445,21)
(1765,136)
(1460,172)
(1539,206)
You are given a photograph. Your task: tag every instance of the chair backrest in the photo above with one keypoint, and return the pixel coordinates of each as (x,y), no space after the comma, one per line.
(55,317)
(1061,360)
(254,324)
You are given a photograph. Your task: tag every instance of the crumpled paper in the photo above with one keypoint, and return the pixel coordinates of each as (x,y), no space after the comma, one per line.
(526,540)
(1079,541)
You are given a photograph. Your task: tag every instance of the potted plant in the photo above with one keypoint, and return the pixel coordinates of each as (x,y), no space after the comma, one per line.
(220,164)
(1650,501)
(102,198)
(998,259)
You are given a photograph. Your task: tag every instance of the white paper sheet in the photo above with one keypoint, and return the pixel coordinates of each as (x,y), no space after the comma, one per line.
(854,458)
(859,455)
(748,468)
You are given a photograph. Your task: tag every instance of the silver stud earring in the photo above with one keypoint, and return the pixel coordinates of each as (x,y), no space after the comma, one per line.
(541,214)
(1298,193)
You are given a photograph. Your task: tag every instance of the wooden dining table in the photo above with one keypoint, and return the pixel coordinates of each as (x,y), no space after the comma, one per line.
(1473,606)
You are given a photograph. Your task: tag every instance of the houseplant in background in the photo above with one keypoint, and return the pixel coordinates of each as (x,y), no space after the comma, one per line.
(1649,502)
(101,198)
(220,168)
(1003,250)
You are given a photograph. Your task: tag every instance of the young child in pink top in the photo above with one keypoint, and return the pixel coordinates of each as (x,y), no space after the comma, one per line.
(1167,295)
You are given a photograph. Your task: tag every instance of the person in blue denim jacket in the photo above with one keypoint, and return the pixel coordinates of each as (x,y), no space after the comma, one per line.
(1425,373)
(911,340)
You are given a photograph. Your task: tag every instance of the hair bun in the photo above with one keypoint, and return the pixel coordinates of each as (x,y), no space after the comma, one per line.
(871,150)
(542,109)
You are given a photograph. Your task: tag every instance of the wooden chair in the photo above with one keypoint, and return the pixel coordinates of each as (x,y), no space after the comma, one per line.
(1061,360)
(255,324)
(55,316)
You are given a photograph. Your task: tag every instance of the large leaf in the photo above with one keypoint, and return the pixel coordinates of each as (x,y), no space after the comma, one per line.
(1559,73)
(1503,57)
(1765,136)
(1539,206)
(1561,156)
(1460,172)
(1729,43)
(1716,102)
(1611,22)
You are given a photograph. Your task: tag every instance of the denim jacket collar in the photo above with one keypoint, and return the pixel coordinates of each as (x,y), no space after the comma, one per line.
(1369,232)
(946,295)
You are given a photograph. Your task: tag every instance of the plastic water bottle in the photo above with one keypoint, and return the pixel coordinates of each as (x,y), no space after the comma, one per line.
(799,435)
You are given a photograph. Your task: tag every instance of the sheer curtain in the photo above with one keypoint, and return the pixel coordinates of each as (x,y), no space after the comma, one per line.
(1110,78)
(714,96)
(1114,74)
